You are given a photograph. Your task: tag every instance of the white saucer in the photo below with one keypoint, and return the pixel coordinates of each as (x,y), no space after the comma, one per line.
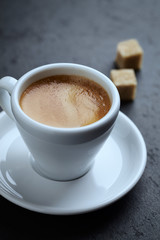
(117,169)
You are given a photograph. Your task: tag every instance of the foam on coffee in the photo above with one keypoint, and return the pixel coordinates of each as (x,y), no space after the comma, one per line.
(65,101)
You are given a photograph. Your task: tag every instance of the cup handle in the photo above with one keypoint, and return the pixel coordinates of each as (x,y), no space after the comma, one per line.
(6,86)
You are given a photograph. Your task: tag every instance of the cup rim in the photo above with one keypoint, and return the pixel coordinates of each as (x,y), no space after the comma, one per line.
(24,119)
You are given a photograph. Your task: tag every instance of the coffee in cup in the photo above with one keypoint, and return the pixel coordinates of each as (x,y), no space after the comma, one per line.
(65,101)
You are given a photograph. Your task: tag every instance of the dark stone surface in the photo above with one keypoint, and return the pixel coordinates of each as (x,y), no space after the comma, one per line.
(34,33)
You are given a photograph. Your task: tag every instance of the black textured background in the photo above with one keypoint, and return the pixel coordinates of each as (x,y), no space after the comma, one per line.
(33,33)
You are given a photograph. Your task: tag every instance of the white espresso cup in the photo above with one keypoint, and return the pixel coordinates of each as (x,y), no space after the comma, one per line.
(59,153)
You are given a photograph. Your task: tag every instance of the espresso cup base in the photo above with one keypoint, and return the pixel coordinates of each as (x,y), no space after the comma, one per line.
(42,173)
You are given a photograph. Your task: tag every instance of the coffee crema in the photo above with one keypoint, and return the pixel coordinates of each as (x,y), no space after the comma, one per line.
(65,101)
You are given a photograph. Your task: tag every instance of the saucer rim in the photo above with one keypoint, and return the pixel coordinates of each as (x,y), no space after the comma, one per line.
(54,211)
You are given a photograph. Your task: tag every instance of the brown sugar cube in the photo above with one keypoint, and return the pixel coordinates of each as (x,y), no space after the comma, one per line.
(129,54)
(126,83)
